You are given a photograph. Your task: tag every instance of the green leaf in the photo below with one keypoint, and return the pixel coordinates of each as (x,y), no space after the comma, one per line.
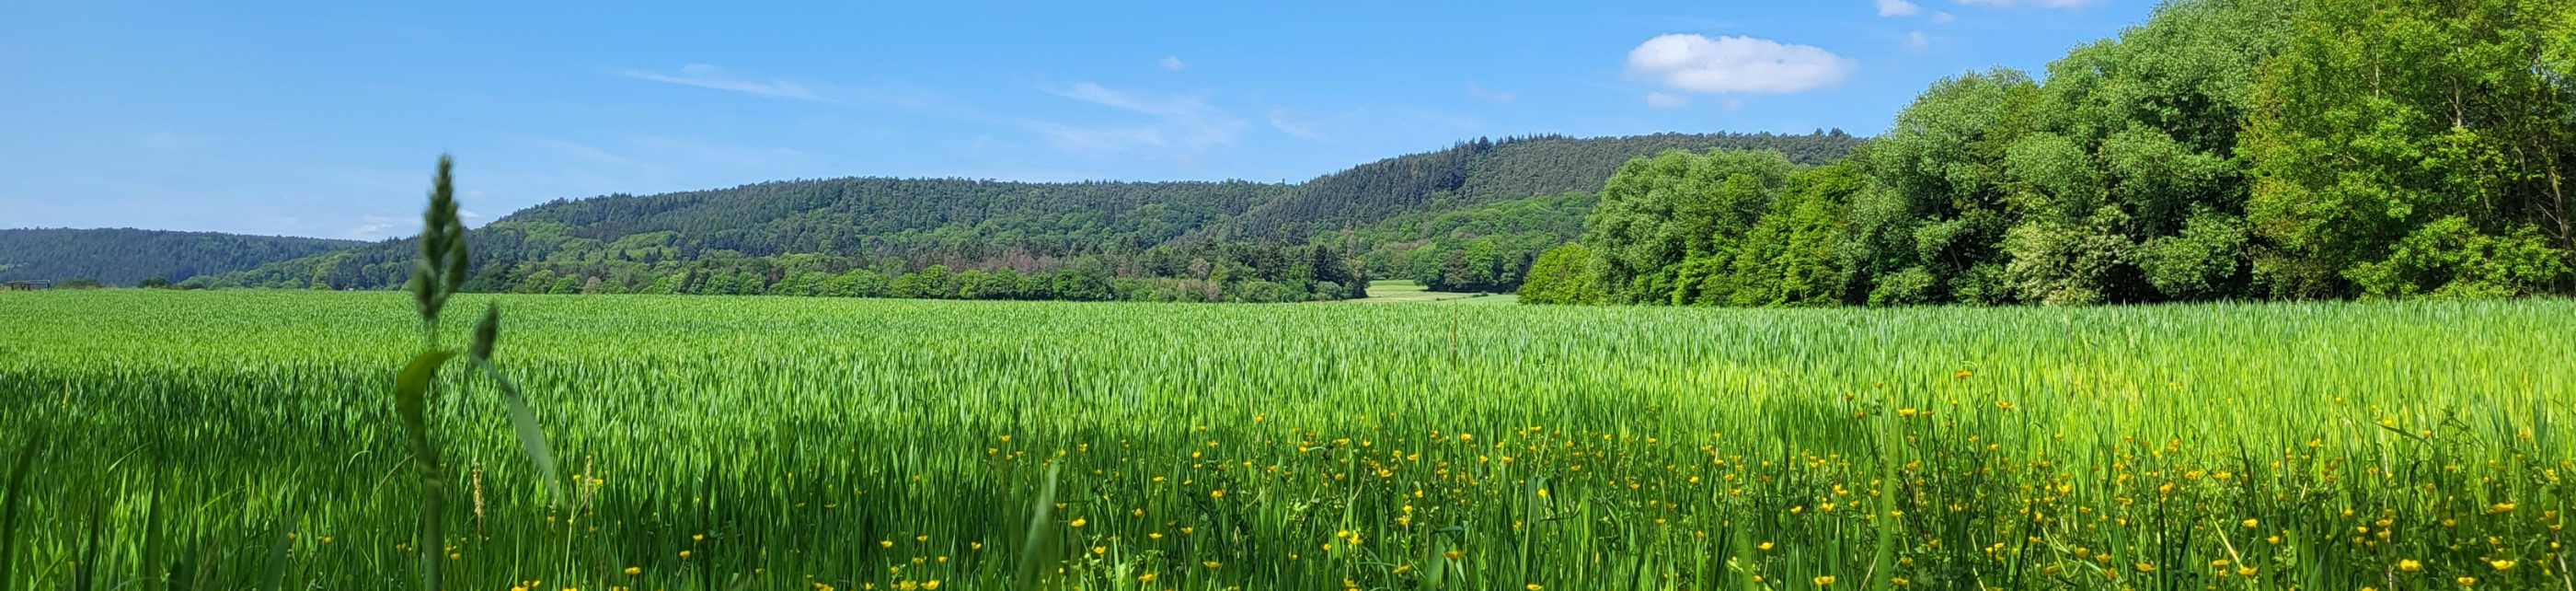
(486,331)
(1039,541)
(411,394)
(524,421)
(17,497)
(278,553)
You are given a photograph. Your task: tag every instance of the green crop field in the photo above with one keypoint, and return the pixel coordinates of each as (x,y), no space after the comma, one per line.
(247,440)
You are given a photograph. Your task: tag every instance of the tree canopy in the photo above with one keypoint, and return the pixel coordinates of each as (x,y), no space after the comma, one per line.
(2225,149)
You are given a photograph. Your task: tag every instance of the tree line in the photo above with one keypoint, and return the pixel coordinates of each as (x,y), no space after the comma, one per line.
(1457,219)
(2223,150)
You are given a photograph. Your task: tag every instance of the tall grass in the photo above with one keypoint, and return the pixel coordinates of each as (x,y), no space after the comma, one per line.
(763,443)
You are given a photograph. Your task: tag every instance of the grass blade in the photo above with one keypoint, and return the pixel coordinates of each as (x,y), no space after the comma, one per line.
(1039,543)
(17,497)
(524,420)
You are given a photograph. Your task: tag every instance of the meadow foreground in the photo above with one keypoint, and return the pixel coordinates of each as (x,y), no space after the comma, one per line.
(237,439)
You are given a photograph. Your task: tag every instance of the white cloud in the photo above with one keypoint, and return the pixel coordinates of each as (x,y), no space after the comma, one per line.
(1943,17)
(1280,119)
(1916,40)
(1499,96)
(707,76)
(1174,63)
(371,227)
(1185,121)
(1898,8)
(1666,101)
(1736,64)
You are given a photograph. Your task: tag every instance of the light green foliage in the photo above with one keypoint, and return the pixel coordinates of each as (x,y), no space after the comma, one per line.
(1668,227)
(1938,209)
(1562,275)
(1993,188)
(800,436)
(2416,147)
(2200,262)
(1791,257)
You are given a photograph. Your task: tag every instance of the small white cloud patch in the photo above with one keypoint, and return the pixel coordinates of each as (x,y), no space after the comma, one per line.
(1898,8)
(1916,40)
(1280,119)
(1173,63)
(708,76)
(1736,64)
(1666,101)
(1499,96)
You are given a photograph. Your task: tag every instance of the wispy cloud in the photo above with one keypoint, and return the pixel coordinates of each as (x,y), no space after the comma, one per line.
(1898,8)
(1173,63)
(1279,118)
(1185,121)
(371,227)
(1736,64)
(1499,96)
(2038,3)
(709,76)
(1666,101)
(1917,40)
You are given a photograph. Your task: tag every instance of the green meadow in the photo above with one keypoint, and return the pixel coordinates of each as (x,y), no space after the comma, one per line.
(247,440)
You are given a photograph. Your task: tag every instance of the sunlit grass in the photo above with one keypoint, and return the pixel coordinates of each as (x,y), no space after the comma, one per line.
(867,444)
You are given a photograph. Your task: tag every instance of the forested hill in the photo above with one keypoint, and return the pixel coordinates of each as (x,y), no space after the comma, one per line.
(125,256)
(1483,171)
(1192,230)
(882,215)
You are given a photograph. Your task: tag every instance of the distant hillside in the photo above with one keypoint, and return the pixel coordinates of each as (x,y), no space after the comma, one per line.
(1483,171)
(752,238)
(125,256)
(930,219)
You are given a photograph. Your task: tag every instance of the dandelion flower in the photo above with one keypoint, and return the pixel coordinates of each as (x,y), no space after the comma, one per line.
(634,570)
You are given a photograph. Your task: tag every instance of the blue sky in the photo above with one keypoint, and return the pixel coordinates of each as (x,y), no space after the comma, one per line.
(324,119)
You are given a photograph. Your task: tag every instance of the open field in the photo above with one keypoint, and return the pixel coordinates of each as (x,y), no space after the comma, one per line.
(1408,292)
(783,443)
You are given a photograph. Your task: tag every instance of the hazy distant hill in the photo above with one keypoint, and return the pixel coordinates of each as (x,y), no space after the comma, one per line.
(1483,171)
(962,222)
(125,256)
